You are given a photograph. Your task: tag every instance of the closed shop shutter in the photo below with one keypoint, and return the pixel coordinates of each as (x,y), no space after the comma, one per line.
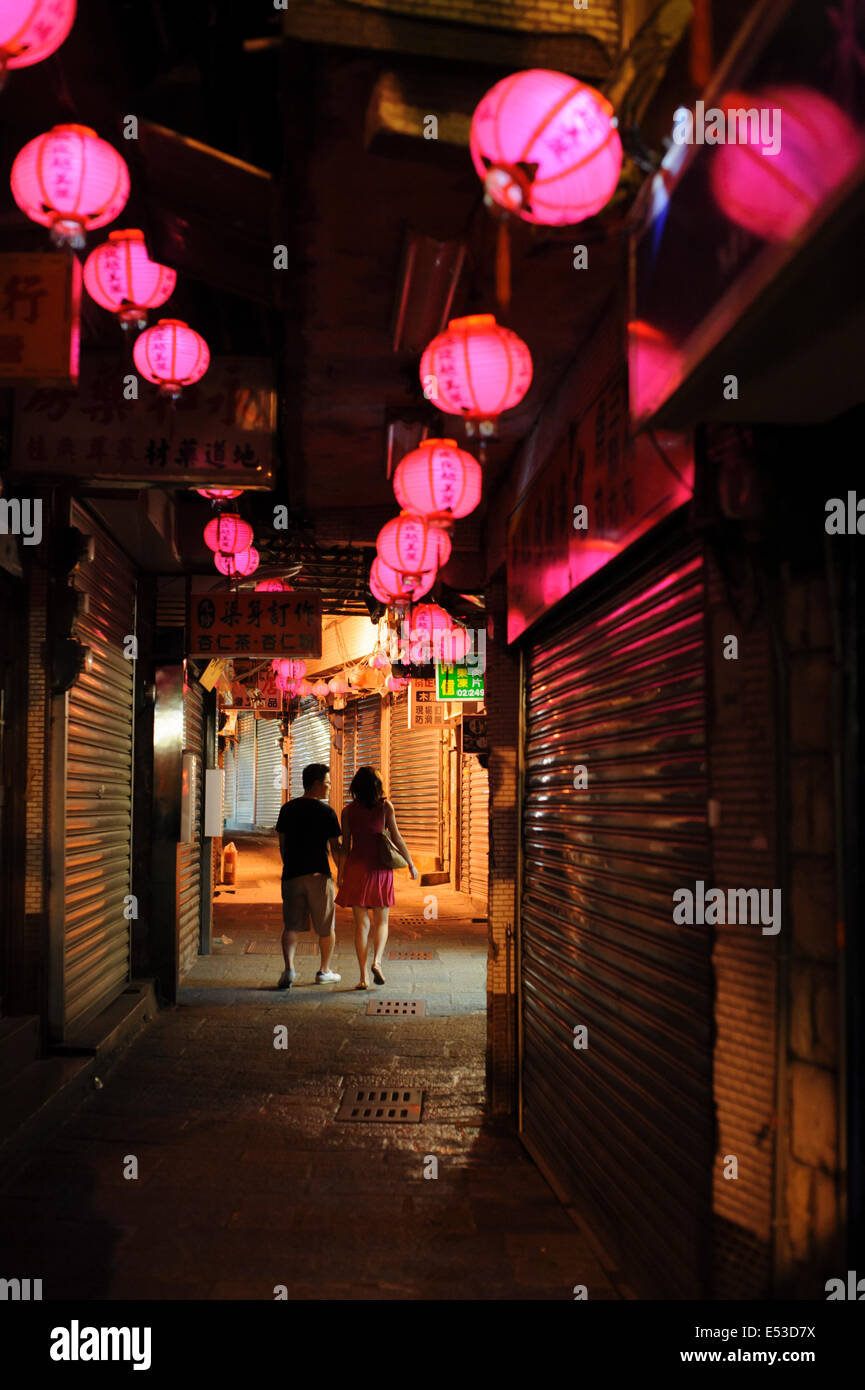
(474,828)
(245,808)
(98,820)
(229,786)
(268,772)
(189,853)
(361,739)
(415,782)
(625,1125)
(310,742)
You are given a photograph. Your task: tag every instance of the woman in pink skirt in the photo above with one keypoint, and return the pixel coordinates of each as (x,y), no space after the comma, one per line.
(364,884)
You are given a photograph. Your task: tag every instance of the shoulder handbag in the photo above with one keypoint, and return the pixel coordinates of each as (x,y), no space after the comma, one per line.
(389,855)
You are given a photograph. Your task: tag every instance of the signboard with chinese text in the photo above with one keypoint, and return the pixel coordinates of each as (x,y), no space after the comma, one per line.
(40,325)
(626,485)
(220,432)
(474,733)
(255,624)
(424,709)
(462,682)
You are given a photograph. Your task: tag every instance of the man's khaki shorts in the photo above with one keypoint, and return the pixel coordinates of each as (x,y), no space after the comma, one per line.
(308,898)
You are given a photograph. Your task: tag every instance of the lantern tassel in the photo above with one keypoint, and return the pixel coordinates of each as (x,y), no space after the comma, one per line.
(503,265)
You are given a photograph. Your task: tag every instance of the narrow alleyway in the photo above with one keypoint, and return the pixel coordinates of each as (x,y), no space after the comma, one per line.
(246,1180)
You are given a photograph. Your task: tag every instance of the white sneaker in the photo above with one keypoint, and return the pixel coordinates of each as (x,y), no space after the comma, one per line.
(326,977)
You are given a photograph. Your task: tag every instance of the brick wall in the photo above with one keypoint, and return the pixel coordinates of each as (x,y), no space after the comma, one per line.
(502,705)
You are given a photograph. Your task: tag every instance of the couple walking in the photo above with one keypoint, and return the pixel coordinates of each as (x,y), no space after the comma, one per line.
(308,828)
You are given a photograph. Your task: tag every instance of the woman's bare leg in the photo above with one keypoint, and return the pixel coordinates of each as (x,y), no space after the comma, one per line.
(361,936)
(379,930)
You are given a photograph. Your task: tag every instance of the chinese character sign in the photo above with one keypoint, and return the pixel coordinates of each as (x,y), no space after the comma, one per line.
(40,326)
(424,709)
(226,624)
(462,682)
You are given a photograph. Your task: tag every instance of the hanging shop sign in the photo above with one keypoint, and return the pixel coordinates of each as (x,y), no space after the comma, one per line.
(474,733)
(255,624)
(460,682)
(220,433)
(600,491)
(40,325)
(424,710)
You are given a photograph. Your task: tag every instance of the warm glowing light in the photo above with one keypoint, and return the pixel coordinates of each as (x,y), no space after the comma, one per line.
(220,494)
(546,146)
(272,586)
(121,277)
(304,689)
(70,180)
(31,30)
(389,586)
(238,566)
(338,686)
(476,369)
(412,546)
(228,533)
(171,355)
(438,480)
(320,690)
(291,669)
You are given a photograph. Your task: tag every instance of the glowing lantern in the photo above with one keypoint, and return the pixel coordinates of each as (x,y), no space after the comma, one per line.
(121,277)
(772,189)
(272,586)
(338,686)
(238,566)
(288,687)
(546,146)
(219,494)
(379,661)
(171,355)
(290,669)
(395,683)
(438,481)
(70,180)
(304,689)
(228,533)
(412,546)
(389,586)
(432,628)
(320,690)
(31,30)
(476,369)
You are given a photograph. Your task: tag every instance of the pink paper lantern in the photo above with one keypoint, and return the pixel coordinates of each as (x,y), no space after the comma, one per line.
(71,181)
(389,586)
(476,369)
(31,30)
(433,634)
(220,494)
(379,662)
(546,146)
(288,687)
(439,481)
(338,686)
(228,533)
(290,668)
(171,355)
(272,586)
(304,690)
(121,277)
(412,546)
(238,566)
(774,195)
(320,690)
(396,683)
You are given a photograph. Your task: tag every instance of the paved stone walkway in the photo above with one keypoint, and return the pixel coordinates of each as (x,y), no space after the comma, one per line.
(246,1180)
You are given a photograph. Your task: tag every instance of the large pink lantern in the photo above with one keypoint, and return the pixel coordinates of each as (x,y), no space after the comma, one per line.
(70,180)
(439,481)
(412,546)
(433,634)
(272,586)
(238,566)
(220,494)
(228,533)
(773,180)
(304,689)
(320,690)
(171,355)
(546,146)
(291,669)
(476,369)
(389,586)
(31,30)
(121,277)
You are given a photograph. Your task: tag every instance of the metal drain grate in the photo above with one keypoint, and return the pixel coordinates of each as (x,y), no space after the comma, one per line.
(397,1008)
(367,1105)
(405,954)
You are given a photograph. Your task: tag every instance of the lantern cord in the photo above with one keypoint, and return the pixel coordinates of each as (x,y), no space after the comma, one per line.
(503,265)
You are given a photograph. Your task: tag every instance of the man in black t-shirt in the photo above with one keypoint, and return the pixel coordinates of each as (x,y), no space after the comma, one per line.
(307,829)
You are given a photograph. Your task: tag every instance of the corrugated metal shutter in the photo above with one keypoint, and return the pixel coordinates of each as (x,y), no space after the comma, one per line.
(361,739)
(310,742)
(98,845)
(245,807)
(625,1126)
(268,772)
(474,828)
(229,785)
(415,782)
(189,854)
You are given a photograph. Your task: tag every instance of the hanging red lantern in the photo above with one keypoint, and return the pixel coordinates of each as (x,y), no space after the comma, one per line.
(121,277)
(547,148)
(31,30)
(338,686)
(396,683)
(412,546)
(439,481)
(228,533)
(304,690)
(71,181)
(476,369)
(389,586)
(433,632)
(171,355)
(320,690)
(379,661)
(285,685)
(289,668)
(238,566)
(219,494)
(272,586)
